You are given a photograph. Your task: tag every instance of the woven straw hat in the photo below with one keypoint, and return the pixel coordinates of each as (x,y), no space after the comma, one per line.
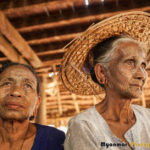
(74,74)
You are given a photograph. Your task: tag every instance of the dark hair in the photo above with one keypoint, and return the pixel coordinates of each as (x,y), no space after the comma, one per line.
(30,68)
(101,49)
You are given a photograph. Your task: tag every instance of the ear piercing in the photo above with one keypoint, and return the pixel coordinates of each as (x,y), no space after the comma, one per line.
(101,80)
(31,117)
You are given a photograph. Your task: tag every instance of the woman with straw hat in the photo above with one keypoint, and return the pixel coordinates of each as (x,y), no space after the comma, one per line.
(110,56)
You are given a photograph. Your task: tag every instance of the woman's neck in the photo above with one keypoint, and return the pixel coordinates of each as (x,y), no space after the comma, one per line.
(116,108)
(12,130)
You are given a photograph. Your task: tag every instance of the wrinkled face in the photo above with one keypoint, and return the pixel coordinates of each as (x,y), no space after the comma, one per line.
(126,74)
(18,96)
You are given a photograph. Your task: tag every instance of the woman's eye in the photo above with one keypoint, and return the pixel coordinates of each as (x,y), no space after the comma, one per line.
(28,86)
(130,62)
(6,83)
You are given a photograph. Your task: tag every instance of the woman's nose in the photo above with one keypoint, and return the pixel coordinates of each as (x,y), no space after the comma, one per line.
(16,91)
(141,74)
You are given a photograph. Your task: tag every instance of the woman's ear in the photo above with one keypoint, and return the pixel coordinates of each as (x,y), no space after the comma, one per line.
(36,106)
(99,73)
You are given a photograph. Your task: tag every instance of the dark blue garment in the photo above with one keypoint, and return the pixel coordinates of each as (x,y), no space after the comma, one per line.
(48,138)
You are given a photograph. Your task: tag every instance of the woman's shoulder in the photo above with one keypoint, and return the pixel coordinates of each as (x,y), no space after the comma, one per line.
(48,130)
(48,137)
(140,108)
(88,116)
(83,115)
(141,111)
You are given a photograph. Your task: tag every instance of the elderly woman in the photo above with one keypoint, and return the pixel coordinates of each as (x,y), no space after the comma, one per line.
(110,56)
(19,101)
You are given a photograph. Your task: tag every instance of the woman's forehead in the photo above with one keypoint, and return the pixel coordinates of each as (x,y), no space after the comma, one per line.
(130,49)
(18,72)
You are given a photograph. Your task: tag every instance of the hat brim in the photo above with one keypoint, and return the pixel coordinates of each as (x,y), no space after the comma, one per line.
(73,72)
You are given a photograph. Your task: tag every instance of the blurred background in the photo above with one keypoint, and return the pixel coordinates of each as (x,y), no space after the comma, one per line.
(35,31)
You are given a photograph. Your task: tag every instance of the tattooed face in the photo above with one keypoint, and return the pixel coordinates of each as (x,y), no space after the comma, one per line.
(18,96)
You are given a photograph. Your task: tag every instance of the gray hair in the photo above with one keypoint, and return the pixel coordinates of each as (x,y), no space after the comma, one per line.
(104,52)
(105,58)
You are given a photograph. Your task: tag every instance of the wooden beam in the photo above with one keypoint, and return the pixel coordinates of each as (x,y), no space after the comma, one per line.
(37,9)
(56,24)
(16,39)
(75,21)
(7,49)
(44,69)
(51,62)
(47,8)
(85,100)
(71,22)
(54,102)
(55,111)
(42,74)
(59,118)
(50,107)
(51,52)
(54,120)
(69,100)
(53,39)
(3,59)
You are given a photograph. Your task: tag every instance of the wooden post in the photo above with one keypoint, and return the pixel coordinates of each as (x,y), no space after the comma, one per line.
(41,115)
(75,103)
(143,100)
(58,93)
(94,100)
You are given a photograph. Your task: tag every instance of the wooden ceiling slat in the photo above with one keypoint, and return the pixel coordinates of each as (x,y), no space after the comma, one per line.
(59,118)
(16,39)
(74,21)
(3,59)
(89,99)
(52,62)
(53,39)
(69,102)
(44,69)
(49,7)
(37,9)
(9,51)
(64,106)
(51,52)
